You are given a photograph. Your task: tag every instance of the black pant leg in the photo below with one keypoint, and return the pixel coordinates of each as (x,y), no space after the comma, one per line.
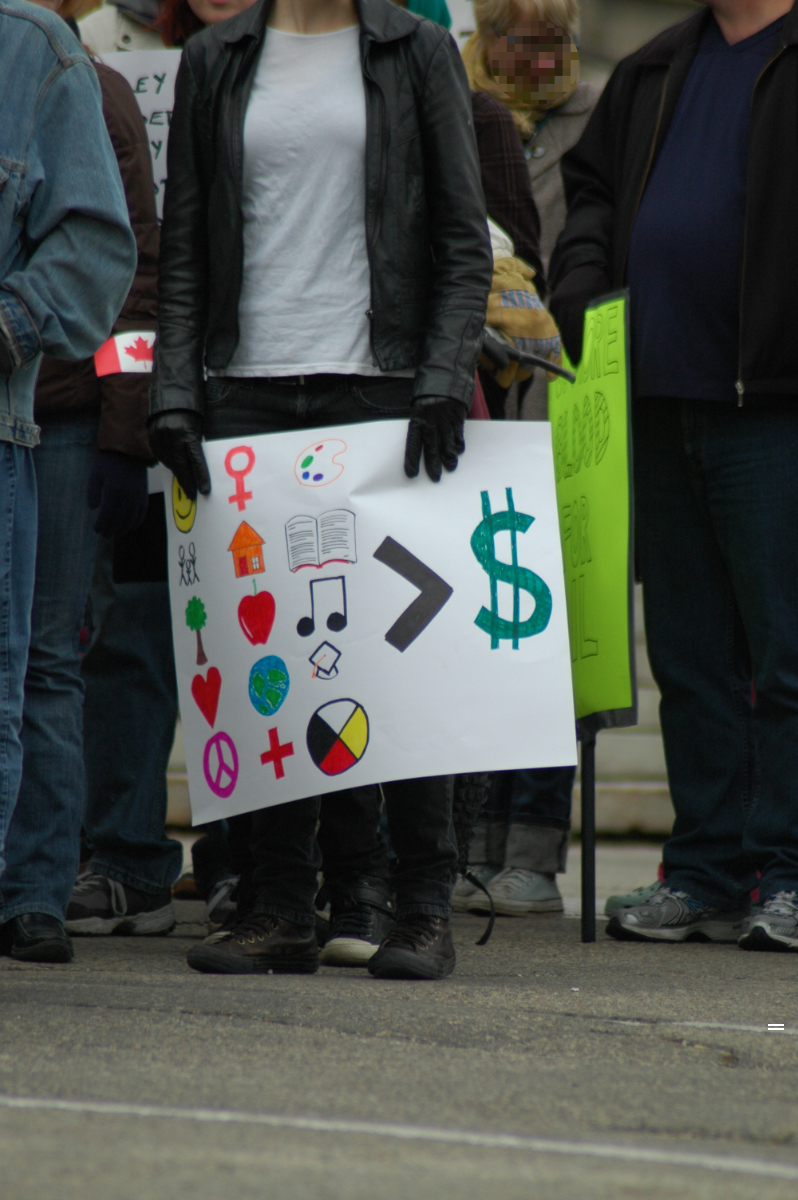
(422,834)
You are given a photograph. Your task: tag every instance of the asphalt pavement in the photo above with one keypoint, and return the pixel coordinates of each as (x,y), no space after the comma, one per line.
(542,1067)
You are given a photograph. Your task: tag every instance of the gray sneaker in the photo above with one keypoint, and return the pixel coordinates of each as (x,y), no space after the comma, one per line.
(670,916)
(775,926)
(616,904)
(516,892)
(101,906)
(464,891)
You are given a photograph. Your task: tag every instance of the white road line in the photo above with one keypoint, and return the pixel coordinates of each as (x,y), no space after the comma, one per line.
(414,1133)
(655,1023)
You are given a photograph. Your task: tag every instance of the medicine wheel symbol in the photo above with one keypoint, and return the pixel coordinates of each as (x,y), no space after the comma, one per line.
(338,735)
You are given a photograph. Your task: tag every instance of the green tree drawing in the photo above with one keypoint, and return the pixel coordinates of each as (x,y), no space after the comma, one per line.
(195,619)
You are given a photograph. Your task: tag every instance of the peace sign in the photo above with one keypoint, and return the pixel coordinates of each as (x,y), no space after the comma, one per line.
(220,764)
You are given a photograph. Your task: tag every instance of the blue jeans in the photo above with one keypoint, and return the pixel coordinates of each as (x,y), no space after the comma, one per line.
(538,796)
(284,845)
(43,844)
(526,820)
(716,499)
(17,563)
(130,716)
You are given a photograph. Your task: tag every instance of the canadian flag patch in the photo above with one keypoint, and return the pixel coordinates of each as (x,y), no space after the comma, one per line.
(126,354)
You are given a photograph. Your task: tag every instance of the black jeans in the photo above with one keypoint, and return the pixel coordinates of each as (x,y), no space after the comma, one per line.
(348,836)
(284,845)
(716,498)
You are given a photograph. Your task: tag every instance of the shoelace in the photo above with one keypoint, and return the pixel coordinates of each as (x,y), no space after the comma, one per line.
(514,879)
(782,903)
(220,895)
(249,923)
(91,881)
(359,918)
(414,932)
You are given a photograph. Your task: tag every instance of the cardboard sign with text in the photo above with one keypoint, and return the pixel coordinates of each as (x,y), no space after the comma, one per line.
(592,462)
(151,74)
(337,624)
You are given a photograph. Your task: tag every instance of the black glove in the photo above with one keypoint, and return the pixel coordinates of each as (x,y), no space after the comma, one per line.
(118,487)
(436,425)
(176,441)
(569,301)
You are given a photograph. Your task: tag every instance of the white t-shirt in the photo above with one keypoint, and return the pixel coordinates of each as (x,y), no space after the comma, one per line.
(305,290)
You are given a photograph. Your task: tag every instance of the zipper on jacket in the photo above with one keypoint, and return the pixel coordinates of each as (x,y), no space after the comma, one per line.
(647,171)
(739,385)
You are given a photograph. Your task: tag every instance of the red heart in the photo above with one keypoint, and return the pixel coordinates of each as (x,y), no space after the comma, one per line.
(256,617)
(206,694)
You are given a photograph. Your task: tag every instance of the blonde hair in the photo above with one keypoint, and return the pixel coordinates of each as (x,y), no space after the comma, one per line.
(497,16)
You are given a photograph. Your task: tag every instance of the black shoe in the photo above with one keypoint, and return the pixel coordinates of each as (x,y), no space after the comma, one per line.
(37,937)
(257,943)
(100,906)
(361,917)
(420,947)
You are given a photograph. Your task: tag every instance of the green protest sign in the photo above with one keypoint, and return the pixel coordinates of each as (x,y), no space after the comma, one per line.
(592,456)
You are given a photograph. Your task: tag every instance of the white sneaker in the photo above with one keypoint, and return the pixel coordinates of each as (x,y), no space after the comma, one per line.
(463,890)
(516,892)
(774,926)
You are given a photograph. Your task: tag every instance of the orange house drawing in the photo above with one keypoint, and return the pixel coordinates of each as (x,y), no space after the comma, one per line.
(247,550)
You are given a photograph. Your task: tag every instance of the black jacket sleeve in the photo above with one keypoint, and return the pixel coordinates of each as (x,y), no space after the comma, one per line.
(588,176)
(183,279)
(463,262)
(505,181)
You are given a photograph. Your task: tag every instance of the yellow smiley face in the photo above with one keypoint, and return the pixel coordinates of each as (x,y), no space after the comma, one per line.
(184,510)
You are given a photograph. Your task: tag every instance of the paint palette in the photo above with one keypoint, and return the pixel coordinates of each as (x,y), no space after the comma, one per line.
(318,464)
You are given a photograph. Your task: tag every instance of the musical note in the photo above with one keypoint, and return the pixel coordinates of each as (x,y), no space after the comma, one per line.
(334,604)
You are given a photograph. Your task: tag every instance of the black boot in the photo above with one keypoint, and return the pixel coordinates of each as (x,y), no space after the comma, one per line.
(361,917)
(37,937)
(420,947)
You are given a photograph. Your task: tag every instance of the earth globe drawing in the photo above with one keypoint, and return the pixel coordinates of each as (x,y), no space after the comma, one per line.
(268,685)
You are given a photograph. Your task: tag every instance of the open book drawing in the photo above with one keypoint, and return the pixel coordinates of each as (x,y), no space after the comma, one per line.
(315,542)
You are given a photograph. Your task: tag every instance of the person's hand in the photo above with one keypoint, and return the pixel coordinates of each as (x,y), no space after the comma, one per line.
(118,487)
(436,427)
(569,301)
(176,441)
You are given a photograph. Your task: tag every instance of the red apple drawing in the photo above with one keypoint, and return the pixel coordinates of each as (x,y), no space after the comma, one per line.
(256,617)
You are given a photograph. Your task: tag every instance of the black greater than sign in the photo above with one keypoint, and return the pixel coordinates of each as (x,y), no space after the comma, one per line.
(434,593)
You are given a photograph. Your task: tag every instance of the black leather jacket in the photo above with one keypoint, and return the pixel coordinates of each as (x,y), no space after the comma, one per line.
(429,253)
(605,175)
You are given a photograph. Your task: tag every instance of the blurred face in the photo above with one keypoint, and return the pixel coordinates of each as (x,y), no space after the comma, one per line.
(210,12)
(530,55)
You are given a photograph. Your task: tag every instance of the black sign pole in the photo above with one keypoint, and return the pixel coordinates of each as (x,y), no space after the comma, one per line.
(589,837)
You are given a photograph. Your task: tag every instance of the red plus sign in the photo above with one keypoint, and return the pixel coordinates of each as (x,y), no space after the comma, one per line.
(276,753)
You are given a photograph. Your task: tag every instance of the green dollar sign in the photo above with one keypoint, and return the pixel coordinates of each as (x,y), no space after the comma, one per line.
(517,577)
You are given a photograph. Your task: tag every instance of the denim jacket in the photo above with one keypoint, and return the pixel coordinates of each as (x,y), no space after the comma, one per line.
(67,253)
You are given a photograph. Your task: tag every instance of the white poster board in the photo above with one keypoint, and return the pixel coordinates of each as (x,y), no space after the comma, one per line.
(151,74)
(337,624)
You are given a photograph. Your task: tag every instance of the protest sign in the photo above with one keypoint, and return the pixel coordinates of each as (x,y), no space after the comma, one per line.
(337,624)
(151,74)
(592,462)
